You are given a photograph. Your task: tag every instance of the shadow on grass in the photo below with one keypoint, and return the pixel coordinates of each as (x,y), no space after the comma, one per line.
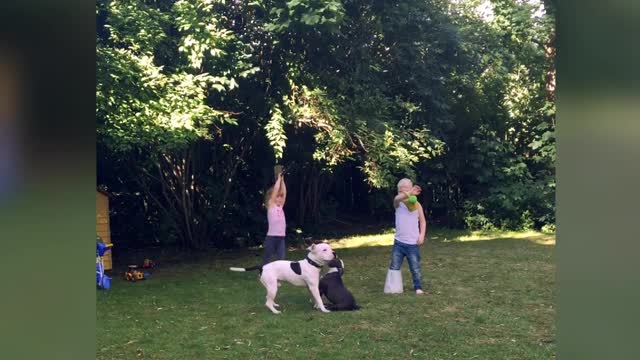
(251,256)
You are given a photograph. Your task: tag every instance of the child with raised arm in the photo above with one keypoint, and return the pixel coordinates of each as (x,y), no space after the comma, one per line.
(274,242)
(411,228)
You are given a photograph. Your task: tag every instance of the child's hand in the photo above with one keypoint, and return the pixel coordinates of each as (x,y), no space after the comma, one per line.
(420,241)
(416,190)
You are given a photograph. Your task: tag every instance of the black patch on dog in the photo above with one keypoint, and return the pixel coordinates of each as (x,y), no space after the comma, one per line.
(295,266)
(340,298)
(336,263)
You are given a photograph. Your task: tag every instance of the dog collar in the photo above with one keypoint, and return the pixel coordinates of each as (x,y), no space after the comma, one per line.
(314,263)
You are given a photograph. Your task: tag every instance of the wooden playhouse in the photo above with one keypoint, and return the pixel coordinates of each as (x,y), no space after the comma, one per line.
(102,224)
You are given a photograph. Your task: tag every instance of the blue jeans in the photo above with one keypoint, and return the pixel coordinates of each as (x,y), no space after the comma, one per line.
(274,246)
(412,252)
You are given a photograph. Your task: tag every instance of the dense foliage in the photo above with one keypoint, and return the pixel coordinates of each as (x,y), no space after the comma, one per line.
(198,99)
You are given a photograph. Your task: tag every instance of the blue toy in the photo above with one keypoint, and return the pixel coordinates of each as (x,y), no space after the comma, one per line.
(103,281)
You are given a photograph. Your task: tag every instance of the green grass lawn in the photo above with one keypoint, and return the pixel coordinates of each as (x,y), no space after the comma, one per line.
(489,296)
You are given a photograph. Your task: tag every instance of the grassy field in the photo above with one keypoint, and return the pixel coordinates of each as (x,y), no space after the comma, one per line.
(489,296)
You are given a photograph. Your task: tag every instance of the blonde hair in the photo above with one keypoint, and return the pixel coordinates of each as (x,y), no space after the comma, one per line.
(404,182)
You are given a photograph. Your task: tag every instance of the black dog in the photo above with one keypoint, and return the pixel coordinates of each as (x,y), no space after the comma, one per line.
(333,288)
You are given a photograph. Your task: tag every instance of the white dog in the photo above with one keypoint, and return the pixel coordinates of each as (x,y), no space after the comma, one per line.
(300,273)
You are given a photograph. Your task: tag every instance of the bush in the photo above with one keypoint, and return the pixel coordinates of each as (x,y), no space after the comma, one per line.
(513,207)
(549,228)
(478,221)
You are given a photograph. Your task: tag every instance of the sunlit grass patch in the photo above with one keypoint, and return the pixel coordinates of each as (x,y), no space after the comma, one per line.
(384,239)
(443,235)
(535,236)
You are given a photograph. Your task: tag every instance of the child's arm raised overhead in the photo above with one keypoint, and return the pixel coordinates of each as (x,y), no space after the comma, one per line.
(283,189)
(276,190)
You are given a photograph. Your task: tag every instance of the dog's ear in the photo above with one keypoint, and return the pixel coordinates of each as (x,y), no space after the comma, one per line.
(312,247)
(334,264)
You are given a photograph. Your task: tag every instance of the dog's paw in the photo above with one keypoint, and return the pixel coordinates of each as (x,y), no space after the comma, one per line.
(276,305)
(325,310)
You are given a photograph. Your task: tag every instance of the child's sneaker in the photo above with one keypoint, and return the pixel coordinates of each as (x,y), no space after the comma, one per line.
(419,292)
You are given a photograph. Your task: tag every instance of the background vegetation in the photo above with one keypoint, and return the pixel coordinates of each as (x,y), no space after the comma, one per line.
(198,99)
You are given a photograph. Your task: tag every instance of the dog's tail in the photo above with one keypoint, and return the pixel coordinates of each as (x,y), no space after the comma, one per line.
(257,267)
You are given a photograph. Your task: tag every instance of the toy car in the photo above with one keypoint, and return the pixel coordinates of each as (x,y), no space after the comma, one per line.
(133,274)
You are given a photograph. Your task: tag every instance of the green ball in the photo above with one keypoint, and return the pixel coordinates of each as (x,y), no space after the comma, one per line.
(412,199)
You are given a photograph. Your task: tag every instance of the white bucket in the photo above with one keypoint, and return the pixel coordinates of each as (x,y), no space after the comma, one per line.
(393,283)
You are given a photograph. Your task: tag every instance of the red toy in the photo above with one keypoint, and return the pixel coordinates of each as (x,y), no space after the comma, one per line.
(148,264)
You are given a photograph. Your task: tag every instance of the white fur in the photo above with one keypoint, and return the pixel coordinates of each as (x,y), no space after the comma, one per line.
(310,275)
